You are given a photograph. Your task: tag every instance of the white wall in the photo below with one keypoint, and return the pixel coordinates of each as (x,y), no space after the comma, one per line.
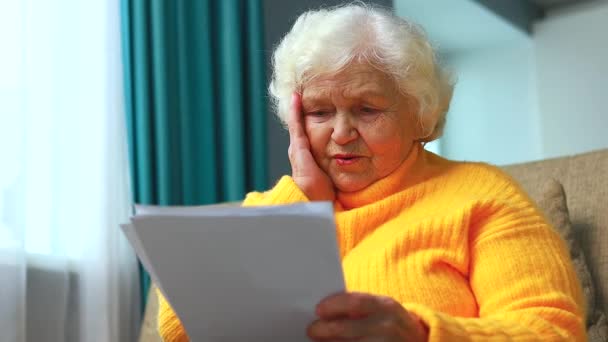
(455,25)
(493,115)
(520,97)
(572,77)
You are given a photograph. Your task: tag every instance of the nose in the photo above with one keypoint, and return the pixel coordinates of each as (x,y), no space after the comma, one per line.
(345,130)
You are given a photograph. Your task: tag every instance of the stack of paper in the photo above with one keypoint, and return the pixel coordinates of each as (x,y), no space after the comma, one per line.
(240,273)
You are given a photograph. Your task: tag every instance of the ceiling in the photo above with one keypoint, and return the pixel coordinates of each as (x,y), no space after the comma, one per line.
(455,26)
(547,5)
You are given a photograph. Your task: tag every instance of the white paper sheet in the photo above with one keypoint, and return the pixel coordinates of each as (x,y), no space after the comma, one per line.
(241,273)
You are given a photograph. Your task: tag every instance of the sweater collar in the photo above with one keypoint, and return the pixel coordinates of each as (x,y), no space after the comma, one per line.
(384,187)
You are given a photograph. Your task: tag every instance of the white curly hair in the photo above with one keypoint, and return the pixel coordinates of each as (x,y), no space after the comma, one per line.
(326,41)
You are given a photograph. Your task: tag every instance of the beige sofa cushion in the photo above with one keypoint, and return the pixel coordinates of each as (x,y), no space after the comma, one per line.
(553,203)
(585,181)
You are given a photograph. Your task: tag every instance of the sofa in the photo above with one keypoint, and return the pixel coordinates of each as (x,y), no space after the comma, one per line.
(584,178)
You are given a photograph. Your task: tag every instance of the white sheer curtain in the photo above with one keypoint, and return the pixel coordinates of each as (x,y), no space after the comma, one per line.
(66,271)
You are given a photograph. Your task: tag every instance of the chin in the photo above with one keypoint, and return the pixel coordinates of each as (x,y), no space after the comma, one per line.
(349,184)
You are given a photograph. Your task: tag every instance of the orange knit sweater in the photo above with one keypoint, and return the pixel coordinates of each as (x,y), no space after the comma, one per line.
(459,244)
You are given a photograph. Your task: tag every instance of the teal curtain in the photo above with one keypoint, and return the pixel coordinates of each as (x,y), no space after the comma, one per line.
(195,100)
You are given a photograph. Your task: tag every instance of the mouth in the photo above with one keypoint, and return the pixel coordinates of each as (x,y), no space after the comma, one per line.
(347,159)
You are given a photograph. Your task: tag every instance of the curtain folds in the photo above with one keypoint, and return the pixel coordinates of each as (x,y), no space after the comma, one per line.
(195,100)
(67,273)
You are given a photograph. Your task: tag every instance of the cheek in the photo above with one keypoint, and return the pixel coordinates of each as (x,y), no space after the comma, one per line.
(387,138)
(385,144)
(318,137)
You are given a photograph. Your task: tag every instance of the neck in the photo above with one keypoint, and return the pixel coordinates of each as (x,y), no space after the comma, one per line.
(401,178)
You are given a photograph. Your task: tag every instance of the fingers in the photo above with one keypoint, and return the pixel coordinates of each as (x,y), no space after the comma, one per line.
(298,141)
(378,327)
(337,329)
(294,121)
(364,317)
(307,174)
(351,305)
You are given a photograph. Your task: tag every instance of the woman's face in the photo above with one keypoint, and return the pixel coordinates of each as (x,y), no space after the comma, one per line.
(359,126)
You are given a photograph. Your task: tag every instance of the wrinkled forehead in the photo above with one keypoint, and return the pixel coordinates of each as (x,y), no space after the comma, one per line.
(351,83)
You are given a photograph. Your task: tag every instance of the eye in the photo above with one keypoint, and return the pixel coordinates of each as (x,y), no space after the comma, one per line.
(319,113)
(369,110)
(369,114)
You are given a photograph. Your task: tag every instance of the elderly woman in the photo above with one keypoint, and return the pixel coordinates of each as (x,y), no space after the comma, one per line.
(432,249)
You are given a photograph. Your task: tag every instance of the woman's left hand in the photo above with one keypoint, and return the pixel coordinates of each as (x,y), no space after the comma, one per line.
(365,317)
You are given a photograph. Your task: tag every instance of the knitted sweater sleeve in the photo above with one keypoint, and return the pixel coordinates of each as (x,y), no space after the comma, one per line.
(285,191)
(520,273)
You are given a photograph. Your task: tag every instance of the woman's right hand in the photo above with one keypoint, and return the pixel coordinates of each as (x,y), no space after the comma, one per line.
(305,171)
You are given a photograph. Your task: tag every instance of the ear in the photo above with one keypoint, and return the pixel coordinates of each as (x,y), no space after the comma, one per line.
(425,126)
(424,123)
